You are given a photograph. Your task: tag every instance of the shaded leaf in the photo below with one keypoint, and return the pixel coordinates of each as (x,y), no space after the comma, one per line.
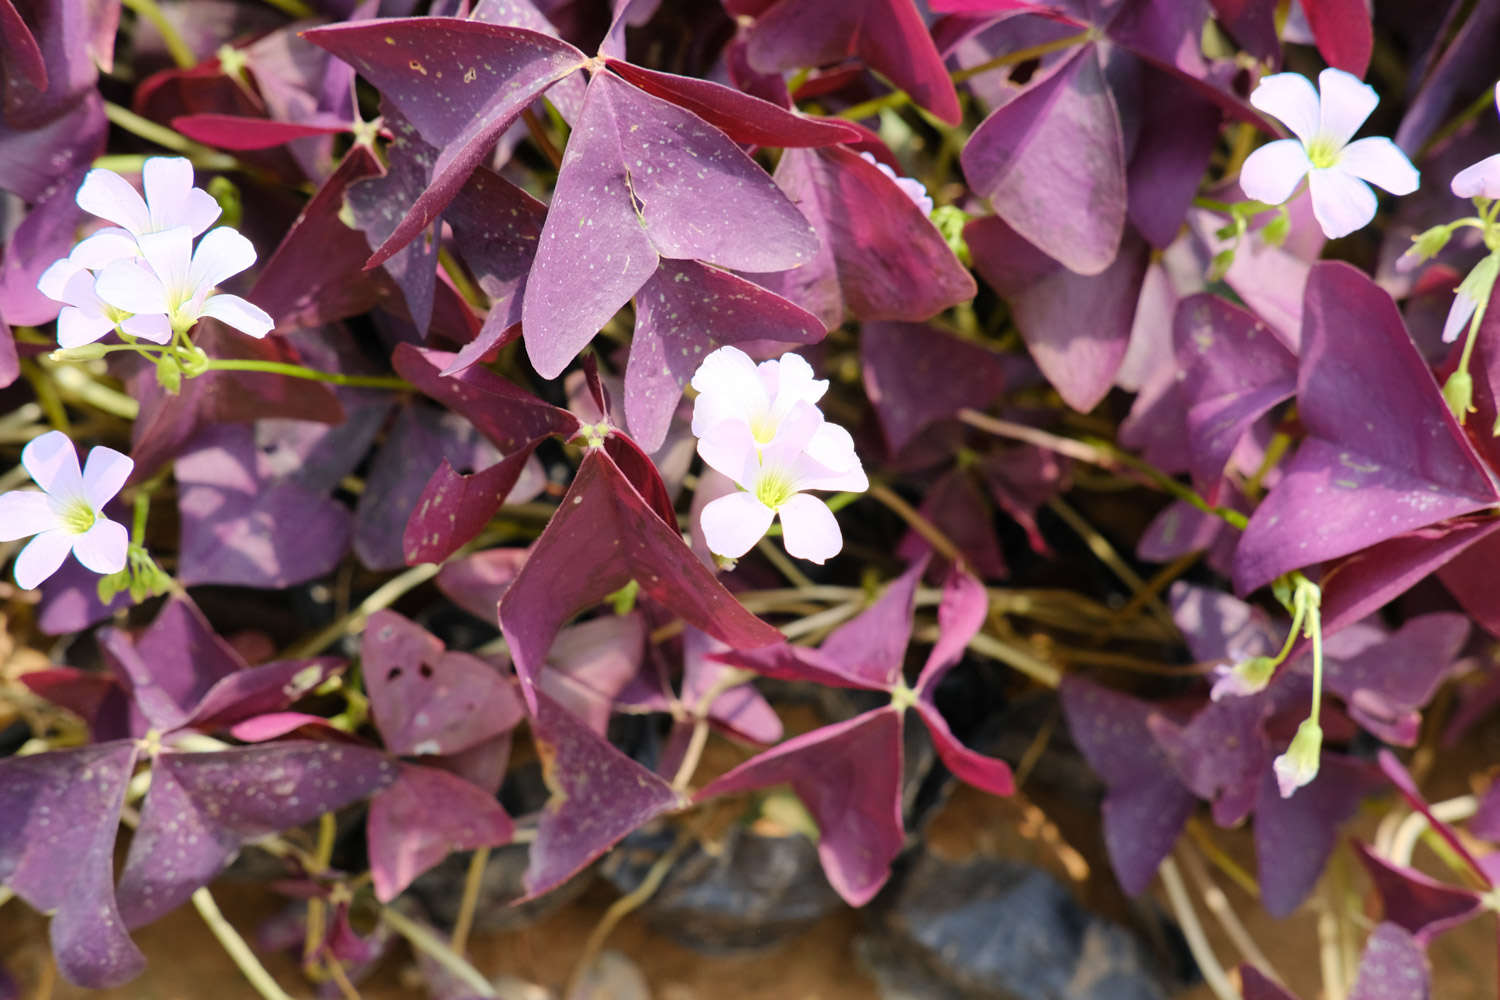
(915,375)
(1392,967)
(1418,903)
(421,818)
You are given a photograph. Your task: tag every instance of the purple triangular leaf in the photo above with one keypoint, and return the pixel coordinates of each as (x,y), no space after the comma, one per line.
(454,508)
(1076,327)
(916,374)
(1235,371)
(1295,835)
(173,664)
(258,690)
(598,796)
(477,582)
(1346,39)
(101,700)
(590,663)
(1052,163)
(461,83)
(203,806)
(1392,768)
(603,522)
(1383,456)
(1393,966)
(741,710)
(1177,136)
(961,614)
(506,414)
(1416,902)
(421,818)
(58,815)
(685,311)
(849,777)
(1145,805)
(1387,684)
(426,700)
(880,256)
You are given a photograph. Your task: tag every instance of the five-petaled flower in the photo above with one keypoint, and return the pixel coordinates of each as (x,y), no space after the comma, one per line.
(68,514)
(174,279)
(1336,169)
(759,426)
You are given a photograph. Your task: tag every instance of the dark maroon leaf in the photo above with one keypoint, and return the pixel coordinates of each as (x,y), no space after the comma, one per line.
(203,806)
(477,582)
(957,507)
(889,36)
(258,690)
(604,523)
(1345,38)
(684,312)
(642,474)
(506,414)
(642,178)
(1145,806)
(421,818)
(1253,25)
(848,776)
(880,256)
(916,374)
(101,700)
(240,132)
(1294,836)
(454,508)
(1052,163)
(1392,768)
(1420,904)
(1076,327)
(598,796)
(460,82)
(1256,986)
(1393,966)
(427,701)
(871,648)
(21,56)
(1383,456)
(58,816)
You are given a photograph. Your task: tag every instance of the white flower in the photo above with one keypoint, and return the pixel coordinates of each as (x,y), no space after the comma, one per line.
(68,515)
(1336,169)
(85,317)
(915,189)
(732,387)
(171,200)
(177,281)
(1482,179)
(806,453)
(1299,765)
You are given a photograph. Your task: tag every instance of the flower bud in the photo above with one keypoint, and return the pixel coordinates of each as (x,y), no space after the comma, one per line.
(1299,765)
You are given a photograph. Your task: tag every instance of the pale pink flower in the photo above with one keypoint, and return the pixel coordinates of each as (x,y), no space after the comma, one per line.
(171,200)
(85,317)
(730,386)
(1299,765)
(913,188)
(1482,179)
(177,281)
(67,515)
(1336,169)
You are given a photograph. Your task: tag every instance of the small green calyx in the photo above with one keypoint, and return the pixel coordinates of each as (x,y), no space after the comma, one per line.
(1458,393)
(77,517)
(774,489)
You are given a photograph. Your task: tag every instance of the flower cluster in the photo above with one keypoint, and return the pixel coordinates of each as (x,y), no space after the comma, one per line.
(760,426)
(142,274)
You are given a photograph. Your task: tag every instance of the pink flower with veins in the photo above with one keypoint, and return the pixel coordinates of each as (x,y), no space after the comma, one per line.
(177,281)
(68,514)
(1336,169)
(1482,179)
(806,453)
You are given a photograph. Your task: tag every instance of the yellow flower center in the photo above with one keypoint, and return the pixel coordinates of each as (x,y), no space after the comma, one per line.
(1323,152)
(77,516)
(774,488)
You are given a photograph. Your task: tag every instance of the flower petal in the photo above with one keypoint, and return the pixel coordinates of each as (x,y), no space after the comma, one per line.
(103,547)
(1459,315)
(734,523)
(1481,180)
(53,463)
(809,529)
(171,198)
(56,278)
(1273,171)
(1345,103)
(23,513)
(77,326)
(793,433)
(133,287)
(104,473)
(1381,162)
(1341,202)
(41,557)
(109,196)
(1291,100)
(728,389)
(729,447)
(245,316)
(221,254)
(169,253)
(154,327)
(104,248)
(794,381)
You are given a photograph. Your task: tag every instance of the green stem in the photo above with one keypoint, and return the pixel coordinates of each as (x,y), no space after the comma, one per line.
(1023,55)
(201,155)
(294,9)
(425,940)
(177,48)
(1311,599)
(239,951)
(311,374)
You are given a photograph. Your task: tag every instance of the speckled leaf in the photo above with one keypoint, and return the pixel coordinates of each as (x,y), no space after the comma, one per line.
(1077,328)
(880,257)
(20,55)
(454,508)
(173,664)
(1392,967)
(421,818)
(506,414)
(604,523)
(32,160)
(889,36)
(743,117)
(1145,805)
(642,178)
(259,690)
(1387,684)
(1383,456)
(1294,836)
(848,776)
(460,82)
(1419,903)
(203,806)
(1235,370)
(427,701)
(58,815)
(598,796)
(1052,163)
(916,375)
(684,312)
